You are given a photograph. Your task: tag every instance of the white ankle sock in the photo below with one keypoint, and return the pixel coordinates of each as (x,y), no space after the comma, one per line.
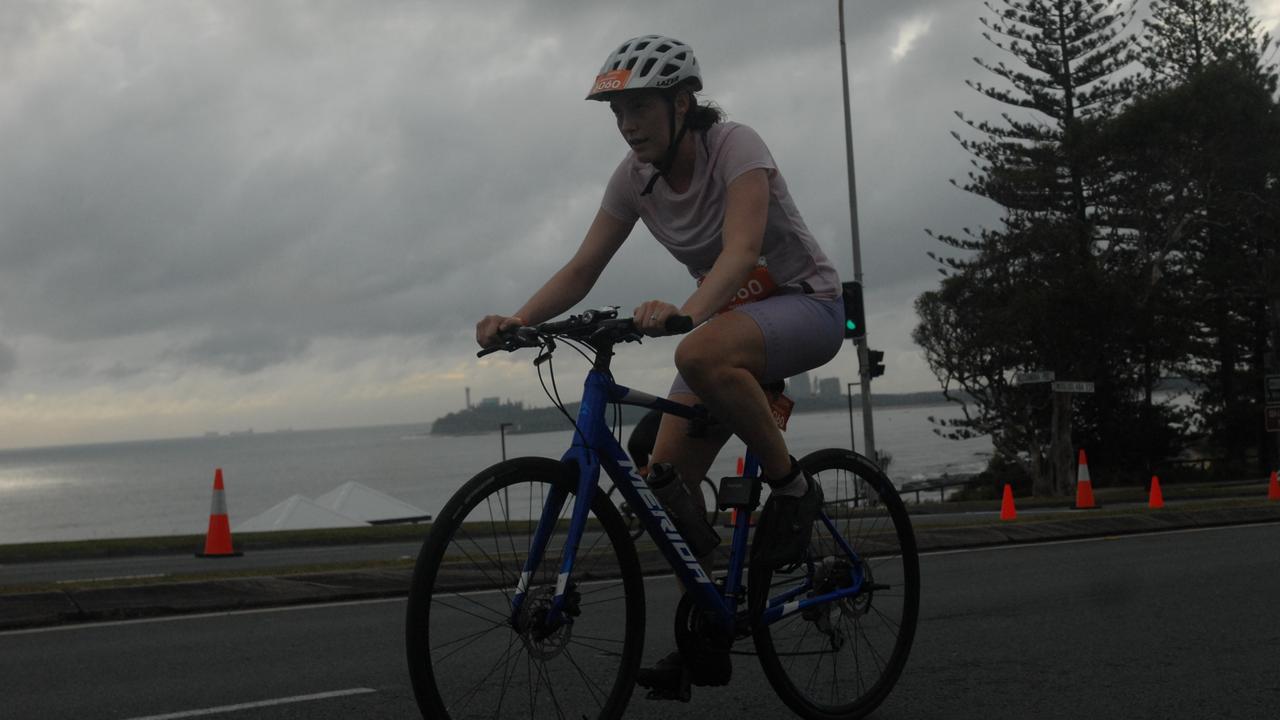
(796,488)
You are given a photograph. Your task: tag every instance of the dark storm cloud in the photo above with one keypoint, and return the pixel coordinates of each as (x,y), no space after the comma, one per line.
(251,177)
(244,350)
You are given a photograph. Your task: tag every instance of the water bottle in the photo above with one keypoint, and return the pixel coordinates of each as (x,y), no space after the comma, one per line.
(683,510)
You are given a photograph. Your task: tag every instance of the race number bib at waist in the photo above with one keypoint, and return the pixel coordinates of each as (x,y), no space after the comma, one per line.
(780,407)
(759,285)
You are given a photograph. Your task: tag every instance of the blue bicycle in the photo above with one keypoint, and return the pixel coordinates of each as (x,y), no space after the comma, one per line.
(528,595)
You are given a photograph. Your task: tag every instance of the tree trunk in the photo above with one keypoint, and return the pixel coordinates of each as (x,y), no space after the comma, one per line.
(1041,476)
(1060,449)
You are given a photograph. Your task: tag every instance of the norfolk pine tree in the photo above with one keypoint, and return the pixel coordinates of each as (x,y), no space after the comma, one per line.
(1204,136)
(1035,294)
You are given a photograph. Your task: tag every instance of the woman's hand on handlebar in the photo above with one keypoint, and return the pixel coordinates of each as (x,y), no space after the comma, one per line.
(488,329)
(651,317)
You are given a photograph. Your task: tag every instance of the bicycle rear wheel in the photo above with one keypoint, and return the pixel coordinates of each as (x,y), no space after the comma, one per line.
(470,656)
(841,659)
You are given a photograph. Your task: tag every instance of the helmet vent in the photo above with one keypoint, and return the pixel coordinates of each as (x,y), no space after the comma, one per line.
(669,69)
(641,46)
(631,62)
(648,65)
(664,47)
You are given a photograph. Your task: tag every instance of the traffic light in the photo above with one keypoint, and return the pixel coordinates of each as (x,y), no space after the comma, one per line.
(875,364)
(855,321)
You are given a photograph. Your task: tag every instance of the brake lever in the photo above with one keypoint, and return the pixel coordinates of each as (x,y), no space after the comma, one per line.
(545,354)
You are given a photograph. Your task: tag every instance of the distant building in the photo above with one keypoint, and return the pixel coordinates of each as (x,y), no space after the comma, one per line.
(829,388)
(488,402)
(800,385)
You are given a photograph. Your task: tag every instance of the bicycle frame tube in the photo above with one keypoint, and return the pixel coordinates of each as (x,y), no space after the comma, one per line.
(594,447)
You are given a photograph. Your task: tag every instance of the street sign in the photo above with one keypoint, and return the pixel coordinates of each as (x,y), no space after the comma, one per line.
(1073,387)
(1273,389)
(1273,418)
(1039,376)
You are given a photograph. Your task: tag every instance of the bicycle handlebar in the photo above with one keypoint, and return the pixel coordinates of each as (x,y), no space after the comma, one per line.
(591,325)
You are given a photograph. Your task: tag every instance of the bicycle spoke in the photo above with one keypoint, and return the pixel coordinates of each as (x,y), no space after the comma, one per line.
(577,639)
(499,616)
(474,689)
(464,639)
(506,677)
(551,690)
(501,585)
(596,692)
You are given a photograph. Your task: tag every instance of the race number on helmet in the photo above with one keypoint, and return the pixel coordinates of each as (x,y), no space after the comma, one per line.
(648,61)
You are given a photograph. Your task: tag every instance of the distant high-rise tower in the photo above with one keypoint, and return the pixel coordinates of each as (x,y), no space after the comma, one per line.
(468,398)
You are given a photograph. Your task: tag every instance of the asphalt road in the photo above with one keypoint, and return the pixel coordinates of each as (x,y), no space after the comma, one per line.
(1176,625)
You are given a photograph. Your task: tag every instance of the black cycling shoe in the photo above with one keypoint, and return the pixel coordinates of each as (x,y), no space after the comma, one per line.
(671,677)
(782,534)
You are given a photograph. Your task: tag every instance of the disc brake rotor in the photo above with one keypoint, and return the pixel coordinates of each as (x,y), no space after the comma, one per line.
(541,640)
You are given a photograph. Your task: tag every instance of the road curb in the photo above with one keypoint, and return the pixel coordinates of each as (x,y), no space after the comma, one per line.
(44,609)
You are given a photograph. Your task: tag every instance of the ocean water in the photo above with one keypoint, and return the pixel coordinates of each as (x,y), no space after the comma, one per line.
(163,487)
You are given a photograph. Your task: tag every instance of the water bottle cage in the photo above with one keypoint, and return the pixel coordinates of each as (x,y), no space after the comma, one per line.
(739,493)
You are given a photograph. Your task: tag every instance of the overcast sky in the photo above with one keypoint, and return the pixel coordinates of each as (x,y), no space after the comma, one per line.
(268,214)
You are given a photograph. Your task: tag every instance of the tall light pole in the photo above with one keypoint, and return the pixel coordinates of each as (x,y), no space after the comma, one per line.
(848,389)
(502,432)
(864,366)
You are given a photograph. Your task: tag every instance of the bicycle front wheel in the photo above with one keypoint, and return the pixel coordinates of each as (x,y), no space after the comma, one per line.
(841,659)
(472,656)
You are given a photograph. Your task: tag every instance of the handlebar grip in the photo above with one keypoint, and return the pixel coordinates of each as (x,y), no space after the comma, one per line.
(679,324)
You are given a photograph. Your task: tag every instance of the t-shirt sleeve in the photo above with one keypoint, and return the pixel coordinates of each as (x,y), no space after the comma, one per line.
(620,199)
(741,151)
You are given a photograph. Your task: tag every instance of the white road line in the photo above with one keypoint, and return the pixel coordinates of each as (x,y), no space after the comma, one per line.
(259,704)
(199,616)
(109,579)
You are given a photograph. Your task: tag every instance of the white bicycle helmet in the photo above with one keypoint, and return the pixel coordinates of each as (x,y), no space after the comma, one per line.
(648,61)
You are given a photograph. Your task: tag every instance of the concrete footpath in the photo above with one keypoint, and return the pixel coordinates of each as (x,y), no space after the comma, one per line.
(934,531)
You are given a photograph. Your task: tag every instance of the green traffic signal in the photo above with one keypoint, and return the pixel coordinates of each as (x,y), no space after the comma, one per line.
(855,324)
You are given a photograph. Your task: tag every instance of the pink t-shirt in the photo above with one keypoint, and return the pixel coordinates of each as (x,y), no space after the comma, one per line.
(689,224)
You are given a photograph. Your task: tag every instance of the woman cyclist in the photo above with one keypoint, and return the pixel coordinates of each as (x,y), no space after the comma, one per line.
(767,303)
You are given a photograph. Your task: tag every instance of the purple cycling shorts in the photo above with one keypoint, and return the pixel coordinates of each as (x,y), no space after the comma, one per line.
(801,332)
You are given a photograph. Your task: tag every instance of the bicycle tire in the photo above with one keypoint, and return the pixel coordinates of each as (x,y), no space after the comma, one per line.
(466,656)
(636,528)
(841,660)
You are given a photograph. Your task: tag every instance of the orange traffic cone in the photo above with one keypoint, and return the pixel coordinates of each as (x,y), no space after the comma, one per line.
(1084,486)
(1273,490)
(1007,510)
(217,542)
(1156,500)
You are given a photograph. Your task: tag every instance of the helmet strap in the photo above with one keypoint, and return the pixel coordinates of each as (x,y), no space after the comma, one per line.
(669,159)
